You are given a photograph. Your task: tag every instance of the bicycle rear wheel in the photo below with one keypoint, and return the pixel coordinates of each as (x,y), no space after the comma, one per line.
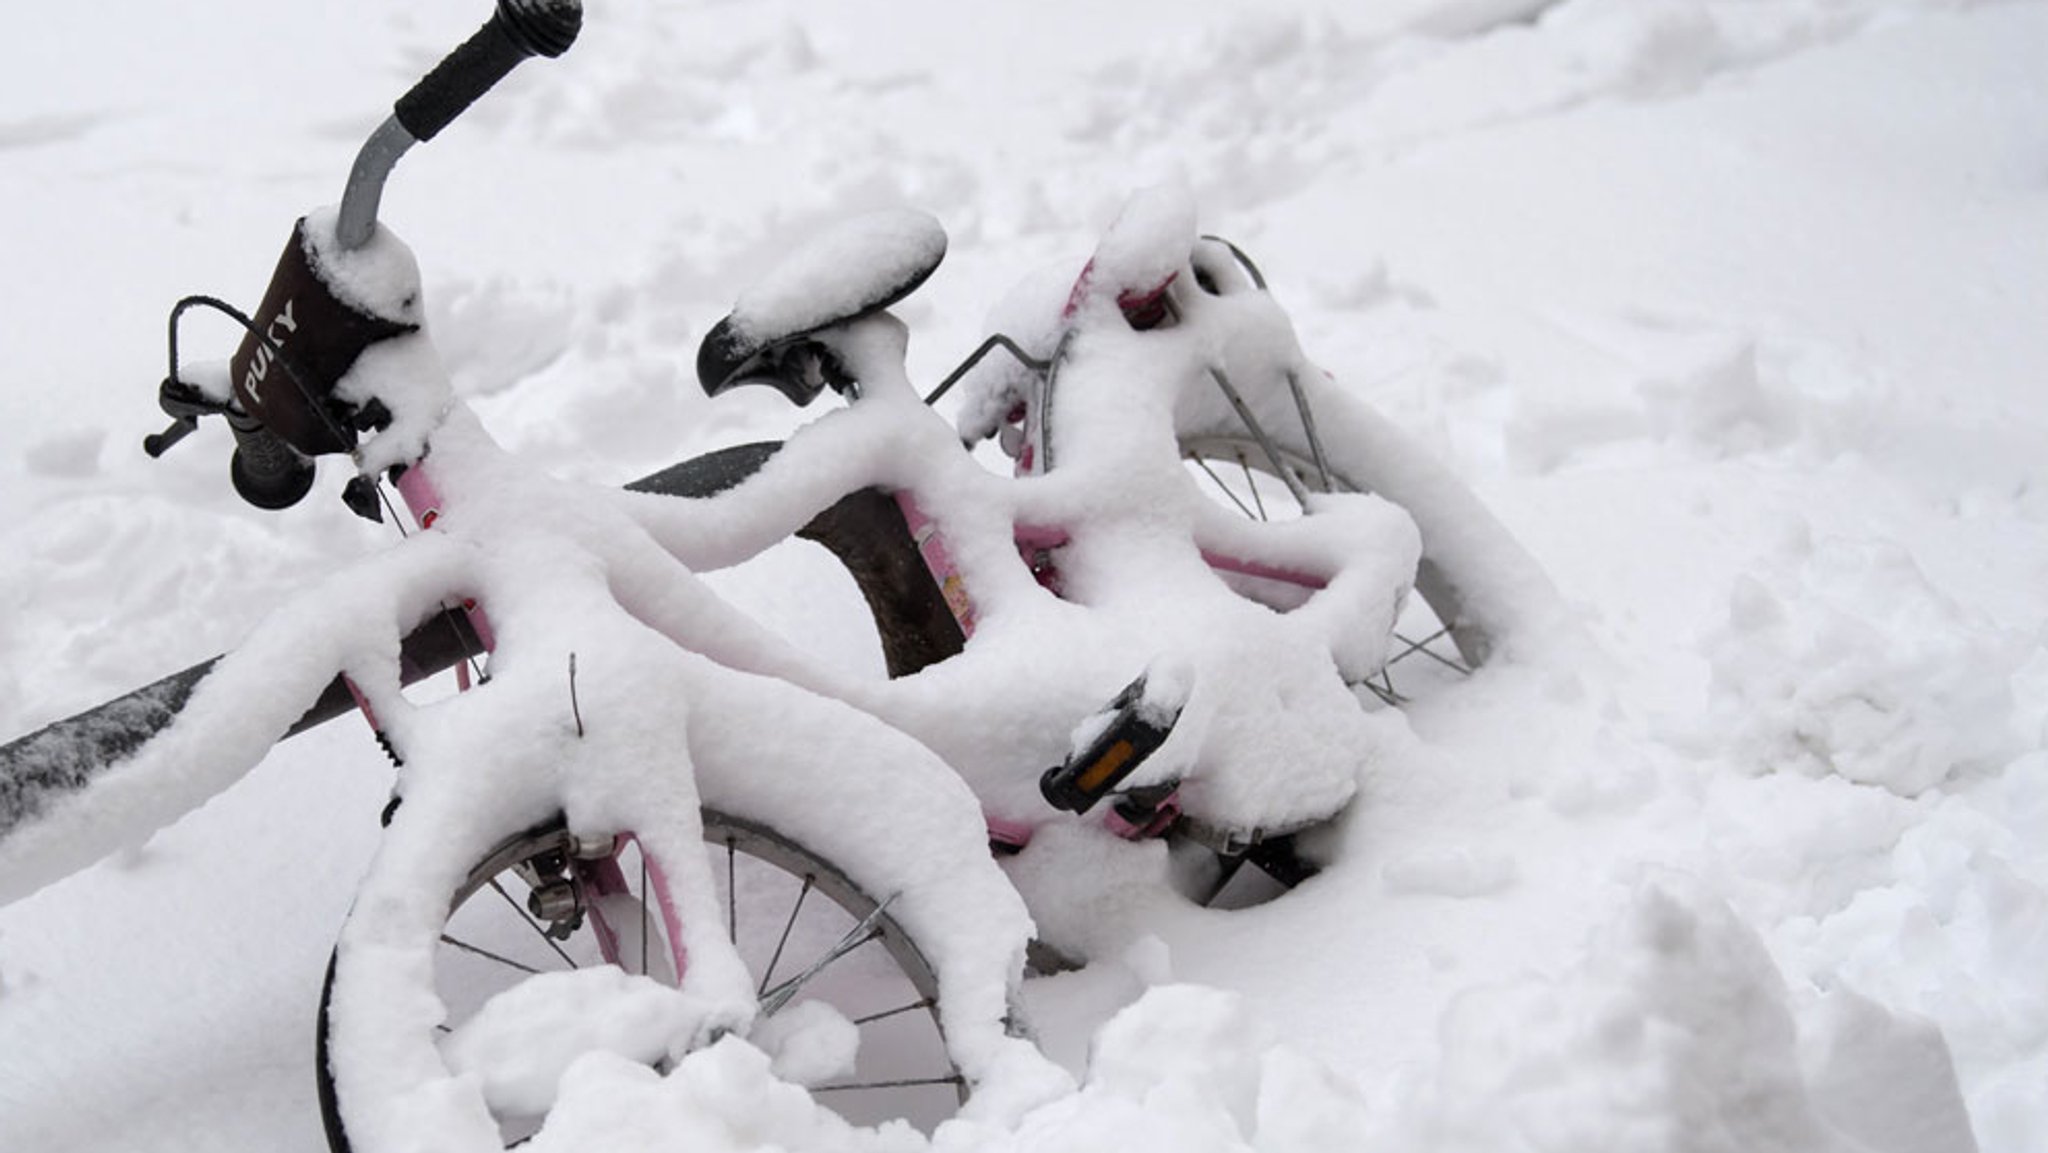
(849,1003)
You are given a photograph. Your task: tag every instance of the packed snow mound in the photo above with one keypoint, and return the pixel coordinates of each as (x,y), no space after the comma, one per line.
(1677,1033)
(1840,657)
(520,1043)
(1190,1068)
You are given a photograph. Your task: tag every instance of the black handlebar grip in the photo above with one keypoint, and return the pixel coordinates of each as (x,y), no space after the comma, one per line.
(266,471)
(517,30)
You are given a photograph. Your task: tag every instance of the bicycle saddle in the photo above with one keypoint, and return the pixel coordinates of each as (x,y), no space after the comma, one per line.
(855,269)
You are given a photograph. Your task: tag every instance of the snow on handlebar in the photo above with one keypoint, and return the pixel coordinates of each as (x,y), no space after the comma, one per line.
(312,326)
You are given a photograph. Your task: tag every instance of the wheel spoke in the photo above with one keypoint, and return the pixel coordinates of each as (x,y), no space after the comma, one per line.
(773,1000)
(1223,487)
(867,929)
(768,973)
(535,925)
(1258,431)
(644,927)
(1253,484)
(1422,647)
(920,1003)
(480,951)
(1385,692)
(1308,425)
(905,1083)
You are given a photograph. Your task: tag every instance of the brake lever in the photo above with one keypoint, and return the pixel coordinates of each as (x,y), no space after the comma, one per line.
(158,443)
(278,431)
(185,404)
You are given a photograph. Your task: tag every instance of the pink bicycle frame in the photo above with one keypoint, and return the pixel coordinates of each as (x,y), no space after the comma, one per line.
(423,500)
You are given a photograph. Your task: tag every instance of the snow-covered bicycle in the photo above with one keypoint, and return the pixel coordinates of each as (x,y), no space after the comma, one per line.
(1198,516)
(847,919)
(601,749)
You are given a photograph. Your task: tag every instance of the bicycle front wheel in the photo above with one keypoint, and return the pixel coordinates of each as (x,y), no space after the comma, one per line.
(1480,591)
(1435,641)
(849,1003)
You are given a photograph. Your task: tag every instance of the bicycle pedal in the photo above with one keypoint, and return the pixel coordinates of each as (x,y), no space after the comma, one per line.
(1135,725)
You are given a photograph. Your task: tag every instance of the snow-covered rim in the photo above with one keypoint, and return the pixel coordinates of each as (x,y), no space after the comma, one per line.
(1474,575)
(736,835)
(1473,638)
(764,843)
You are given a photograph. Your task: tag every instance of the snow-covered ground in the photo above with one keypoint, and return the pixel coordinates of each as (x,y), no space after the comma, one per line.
(1733,311)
